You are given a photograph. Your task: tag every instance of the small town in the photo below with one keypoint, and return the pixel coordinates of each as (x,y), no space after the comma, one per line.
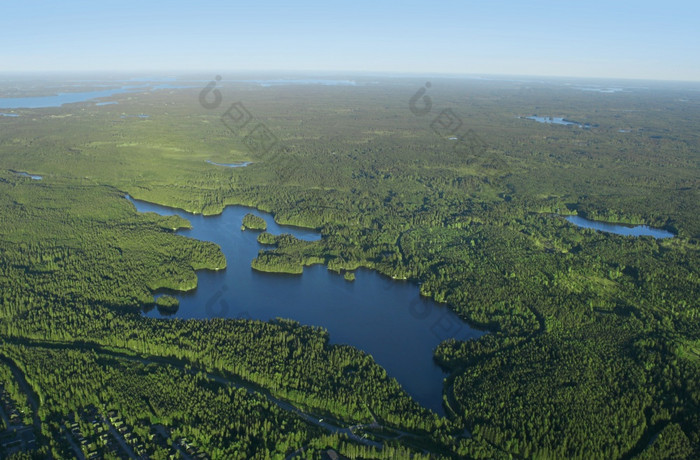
(16,435)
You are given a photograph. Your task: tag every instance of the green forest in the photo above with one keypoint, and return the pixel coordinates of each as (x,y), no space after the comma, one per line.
(592,348)
(253,222)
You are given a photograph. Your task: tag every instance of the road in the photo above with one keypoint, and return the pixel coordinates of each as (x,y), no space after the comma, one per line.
(69,437)
(26,389)
(120,439)
(4,417)
(319,421)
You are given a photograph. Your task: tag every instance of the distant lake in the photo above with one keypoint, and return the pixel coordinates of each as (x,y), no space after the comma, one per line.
(383,317)
(600,90)
(557,121)
(631,230)
(303,81)
(25,174)
(2,114)
(230,165)
(57,100)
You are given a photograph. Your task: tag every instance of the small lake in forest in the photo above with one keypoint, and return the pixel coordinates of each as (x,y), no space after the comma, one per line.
(627,230)
(230,165)
(557,121)
(26,174)
(383,317)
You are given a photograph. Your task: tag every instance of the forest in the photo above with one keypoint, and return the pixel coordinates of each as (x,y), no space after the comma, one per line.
(593,343)
(253,222)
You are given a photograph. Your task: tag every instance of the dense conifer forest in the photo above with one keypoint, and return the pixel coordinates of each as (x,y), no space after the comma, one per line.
(593,343)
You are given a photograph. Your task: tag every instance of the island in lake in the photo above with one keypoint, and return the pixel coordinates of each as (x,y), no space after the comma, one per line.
(253,222)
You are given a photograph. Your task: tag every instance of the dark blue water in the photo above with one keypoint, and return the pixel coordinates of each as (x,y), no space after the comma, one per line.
(386,318)
(637,230)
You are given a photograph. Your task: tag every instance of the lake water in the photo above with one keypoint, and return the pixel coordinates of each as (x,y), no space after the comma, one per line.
(556,121)
(383,317)
(600,90)
(230,165)
(302,81)
(628,230)
(57,100)
(25,174)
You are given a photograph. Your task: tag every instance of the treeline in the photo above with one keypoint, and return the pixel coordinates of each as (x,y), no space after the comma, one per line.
(90,247)
(293,362)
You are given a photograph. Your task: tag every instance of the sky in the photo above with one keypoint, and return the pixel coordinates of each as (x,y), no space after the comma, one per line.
(606,39)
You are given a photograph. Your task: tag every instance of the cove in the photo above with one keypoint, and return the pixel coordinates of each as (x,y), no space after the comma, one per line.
(638,230)
(387,319)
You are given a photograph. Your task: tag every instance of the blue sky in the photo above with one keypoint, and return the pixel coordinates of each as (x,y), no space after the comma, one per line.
(615,38)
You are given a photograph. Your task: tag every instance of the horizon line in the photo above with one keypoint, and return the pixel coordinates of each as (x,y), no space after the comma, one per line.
(308,72)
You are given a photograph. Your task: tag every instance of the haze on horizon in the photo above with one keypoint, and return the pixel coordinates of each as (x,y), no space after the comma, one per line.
(596,39)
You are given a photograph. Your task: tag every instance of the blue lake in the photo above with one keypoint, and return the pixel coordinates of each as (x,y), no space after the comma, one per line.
(628,230)
(383,317)
(57,100)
